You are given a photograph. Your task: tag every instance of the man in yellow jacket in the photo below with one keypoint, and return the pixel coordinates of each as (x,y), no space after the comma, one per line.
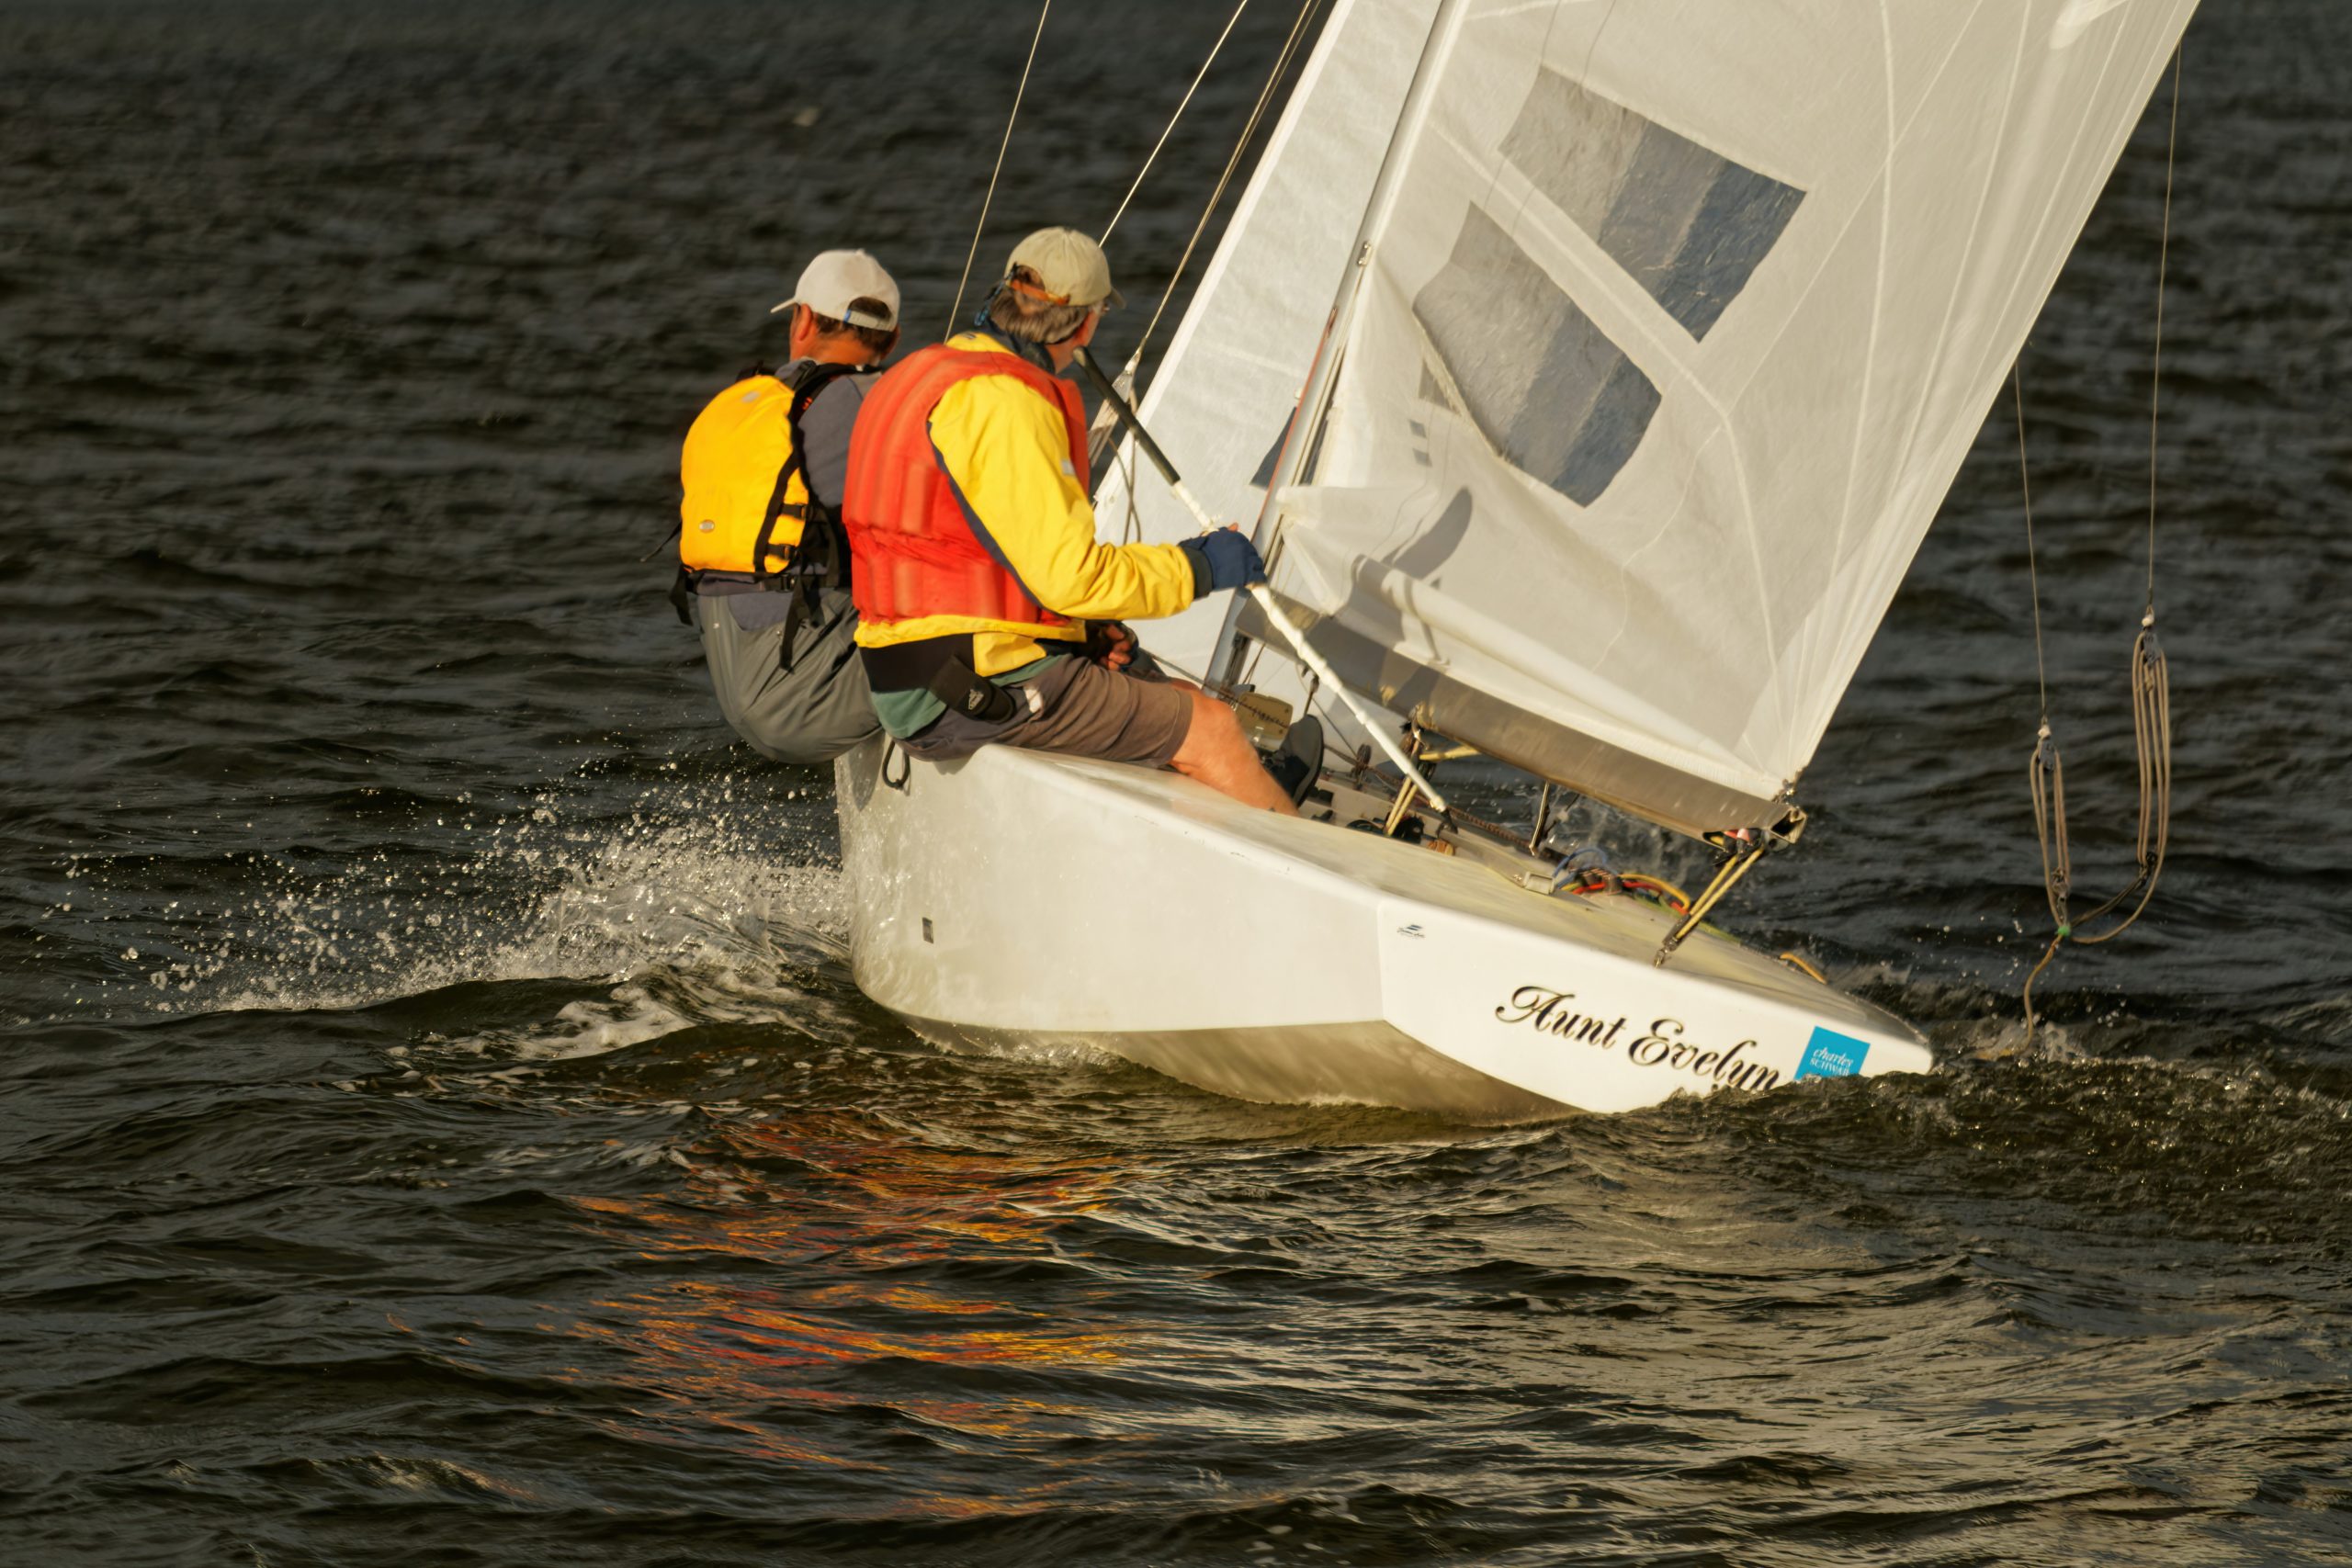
(988,611)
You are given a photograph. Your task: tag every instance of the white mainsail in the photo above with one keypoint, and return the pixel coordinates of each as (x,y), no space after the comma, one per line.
(1221,397)
(1675,323)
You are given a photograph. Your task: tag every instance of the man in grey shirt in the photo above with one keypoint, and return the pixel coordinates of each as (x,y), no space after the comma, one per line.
(764,554)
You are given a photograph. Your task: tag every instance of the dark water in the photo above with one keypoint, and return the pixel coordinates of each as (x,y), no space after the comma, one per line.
(436,1124)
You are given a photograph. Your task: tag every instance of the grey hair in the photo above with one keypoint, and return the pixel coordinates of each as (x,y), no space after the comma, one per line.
(1030,318)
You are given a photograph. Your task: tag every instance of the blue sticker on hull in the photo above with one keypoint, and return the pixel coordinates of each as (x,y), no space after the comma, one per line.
(1829,1055)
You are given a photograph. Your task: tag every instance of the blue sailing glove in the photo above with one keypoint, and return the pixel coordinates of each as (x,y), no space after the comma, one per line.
(1223,557)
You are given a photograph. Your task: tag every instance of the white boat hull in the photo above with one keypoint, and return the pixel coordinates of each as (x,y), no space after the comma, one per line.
(1019,899)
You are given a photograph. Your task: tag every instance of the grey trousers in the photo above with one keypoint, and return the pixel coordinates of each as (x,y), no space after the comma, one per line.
(819,710)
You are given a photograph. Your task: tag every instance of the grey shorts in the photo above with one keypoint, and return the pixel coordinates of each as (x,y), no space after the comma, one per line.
(1078,708)
(811,713)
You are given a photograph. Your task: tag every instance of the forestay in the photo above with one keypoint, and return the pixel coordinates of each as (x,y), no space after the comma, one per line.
(1676,321)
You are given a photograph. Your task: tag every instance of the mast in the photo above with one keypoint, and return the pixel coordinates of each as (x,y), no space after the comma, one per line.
(1322,376)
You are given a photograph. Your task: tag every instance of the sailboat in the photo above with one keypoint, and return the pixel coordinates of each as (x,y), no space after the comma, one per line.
(1659,334)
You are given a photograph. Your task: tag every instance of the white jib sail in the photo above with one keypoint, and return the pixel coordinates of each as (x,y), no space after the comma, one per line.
(1221,397)
(1677,322)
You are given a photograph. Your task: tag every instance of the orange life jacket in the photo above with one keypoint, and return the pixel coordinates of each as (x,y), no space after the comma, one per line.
(913,547)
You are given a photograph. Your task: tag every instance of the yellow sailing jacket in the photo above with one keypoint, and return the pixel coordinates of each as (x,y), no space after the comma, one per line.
(1007,452)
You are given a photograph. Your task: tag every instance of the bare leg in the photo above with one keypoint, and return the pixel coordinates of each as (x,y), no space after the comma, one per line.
(1215,752)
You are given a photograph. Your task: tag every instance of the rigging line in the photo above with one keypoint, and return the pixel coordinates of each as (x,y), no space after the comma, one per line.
(956,309)
(2032,1018)
(1122,459)
(2032,570)
(1265,95)
(2155,374)
(1171,128)
(2151,677)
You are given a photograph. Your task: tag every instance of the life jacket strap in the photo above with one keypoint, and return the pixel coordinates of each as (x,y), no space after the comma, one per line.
(804,384)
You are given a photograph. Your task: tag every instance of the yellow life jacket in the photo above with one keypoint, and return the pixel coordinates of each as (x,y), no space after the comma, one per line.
(747,506)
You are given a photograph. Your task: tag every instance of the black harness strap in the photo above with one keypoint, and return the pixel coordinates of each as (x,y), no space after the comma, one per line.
(942,666)
(803,383)
(815,562)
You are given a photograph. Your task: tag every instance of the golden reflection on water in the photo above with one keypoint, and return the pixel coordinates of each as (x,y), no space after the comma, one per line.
(831,1197)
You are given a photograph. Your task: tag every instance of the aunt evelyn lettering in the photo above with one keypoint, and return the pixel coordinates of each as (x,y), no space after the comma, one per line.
(1664,1046)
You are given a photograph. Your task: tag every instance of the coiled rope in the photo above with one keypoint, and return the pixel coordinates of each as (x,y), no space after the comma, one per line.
(2151,685)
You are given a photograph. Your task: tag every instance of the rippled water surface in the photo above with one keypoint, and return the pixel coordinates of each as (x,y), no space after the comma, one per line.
(436,1123)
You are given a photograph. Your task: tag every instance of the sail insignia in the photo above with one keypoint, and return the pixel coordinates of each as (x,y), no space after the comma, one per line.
(1555,396)
(1688,224)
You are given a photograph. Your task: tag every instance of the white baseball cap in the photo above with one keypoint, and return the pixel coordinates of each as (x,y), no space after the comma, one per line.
(1071,269)
(835,278)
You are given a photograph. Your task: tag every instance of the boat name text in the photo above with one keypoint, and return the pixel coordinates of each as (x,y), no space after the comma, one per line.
(1665,1045)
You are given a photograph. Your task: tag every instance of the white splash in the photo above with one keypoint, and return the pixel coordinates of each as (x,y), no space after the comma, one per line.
(695,906)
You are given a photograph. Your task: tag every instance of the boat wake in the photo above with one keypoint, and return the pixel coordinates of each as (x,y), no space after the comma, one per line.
(684,908)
